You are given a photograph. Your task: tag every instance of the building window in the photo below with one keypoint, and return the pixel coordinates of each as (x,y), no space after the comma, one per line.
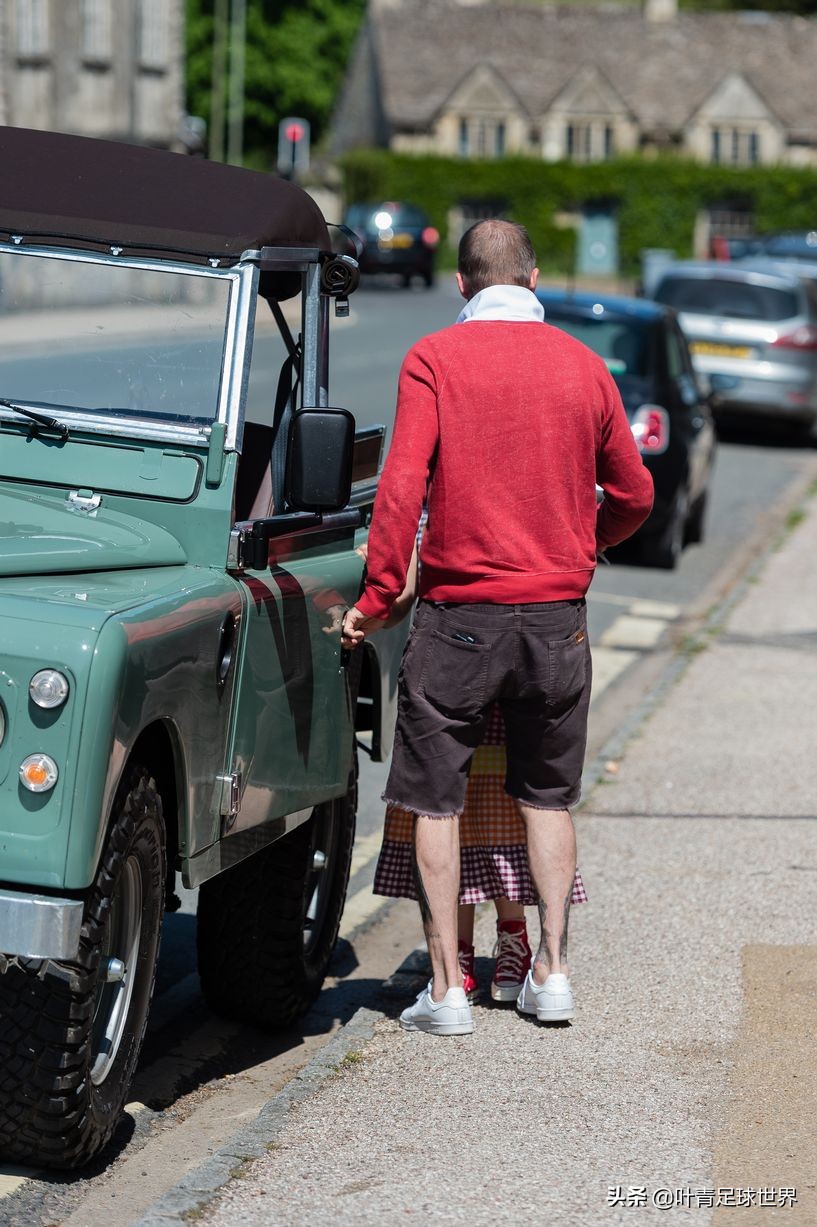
(464,145)
(32,27)
(588,141)
(735,146)
(154,34)
(97,29)
(499,140)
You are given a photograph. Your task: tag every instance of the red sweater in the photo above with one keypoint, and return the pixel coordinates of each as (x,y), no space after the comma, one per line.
(504,429)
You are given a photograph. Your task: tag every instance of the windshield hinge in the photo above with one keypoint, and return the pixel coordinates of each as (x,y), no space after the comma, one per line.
(85,501)
(230,802)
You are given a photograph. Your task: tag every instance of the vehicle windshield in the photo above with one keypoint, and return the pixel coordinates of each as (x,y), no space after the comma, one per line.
(113,340)
(624,344)
(732,298)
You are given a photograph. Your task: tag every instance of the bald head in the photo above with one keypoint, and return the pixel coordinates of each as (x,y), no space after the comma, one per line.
(495,252)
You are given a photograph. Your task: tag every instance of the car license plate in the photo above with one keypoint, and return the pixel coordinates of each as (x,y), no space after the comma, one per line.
(716,349)
(399,240)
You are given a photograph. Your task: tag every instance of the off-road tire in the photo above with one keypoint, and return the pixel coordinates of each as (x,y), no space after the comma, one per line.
(52,1114)
(255,963)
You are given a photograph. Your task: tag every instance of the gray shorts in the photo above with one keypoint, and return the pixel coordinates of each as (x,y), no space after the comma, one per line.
(534,661)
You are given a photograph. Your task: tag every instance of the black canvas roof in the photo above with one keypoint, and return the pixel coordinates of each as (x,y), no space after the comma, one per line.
(79,192)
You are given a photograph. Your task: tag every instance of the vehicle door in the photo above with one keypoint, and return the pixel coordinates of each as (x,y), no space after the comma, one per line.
(690,414)
(293,718)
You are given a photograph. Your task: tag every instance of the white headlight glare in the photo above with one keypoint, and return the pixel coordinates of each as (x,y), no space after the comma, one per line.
(38,773)
(48,688)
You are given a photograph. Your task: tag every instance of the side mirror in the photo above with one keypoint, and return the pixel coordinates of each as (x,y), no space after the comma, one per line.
(319,460)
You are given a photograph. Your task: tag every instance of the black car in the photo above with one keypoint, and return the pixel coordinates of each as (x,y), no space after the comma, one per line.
(396,238)
(670,418)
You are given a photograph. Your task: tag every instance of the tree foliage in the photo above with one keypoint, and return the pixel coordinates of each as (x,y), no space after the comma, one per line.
(297,52)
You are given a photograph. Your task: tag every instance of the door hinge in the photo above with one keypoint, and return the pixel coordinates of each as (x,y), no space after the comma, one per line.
(230,802)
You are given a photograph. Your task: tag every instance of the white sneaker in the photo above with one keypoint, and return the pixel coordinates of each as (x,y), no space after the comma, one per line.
(451,1016)
(550,1002)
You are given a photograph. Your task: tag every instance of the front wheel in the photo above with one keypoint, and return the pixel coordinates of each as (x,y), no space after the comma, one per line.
(664,550)
(268,925)
(70,1033)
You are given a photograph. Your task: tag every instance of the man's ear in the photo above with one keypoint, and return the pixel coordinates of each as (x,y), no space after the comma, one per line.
(462,287)
(534,277)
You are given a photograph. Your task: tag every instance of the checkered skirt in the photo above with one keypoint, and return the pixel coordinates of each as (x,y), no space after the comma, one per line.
(493,856)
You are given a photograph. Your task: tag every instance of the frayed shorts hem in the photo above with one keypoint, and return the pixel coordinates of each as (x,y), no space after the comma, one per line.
(419,812)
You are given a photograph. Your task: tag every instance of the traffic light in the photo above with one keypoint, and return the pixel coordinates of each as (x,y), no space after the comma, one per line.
(293,146)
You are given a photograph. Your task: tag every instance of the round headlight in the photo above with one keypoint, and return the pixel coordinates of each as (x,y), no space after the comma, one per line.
(38,773)
(48,688)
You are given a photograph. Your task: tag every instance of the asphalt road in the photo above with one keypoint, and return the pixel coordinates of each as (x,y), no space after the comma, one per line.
(200,1077)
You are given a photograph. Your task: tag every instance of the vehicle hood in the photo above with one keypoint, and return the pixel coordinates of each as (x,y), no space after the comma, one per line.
(41,535)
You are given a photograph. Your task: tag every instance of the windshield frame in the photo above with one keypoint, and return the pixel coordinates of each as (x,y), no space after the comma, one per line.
(242,281)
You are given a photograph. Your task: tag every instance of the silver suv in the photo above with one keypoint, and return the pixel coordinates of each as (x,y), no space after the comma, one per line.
(752,335)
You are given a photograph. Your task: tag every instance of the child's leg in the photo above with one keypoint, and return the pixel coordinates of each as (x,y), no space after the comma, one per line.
(506,910)
(465,923)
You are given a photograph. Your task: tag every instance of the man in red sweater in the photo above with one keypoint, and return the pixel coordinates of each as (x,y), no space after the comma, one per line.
(504,426)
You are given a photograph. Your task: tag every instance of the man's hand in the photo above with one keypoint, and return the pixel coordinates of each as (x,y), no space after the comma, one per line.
(356,626)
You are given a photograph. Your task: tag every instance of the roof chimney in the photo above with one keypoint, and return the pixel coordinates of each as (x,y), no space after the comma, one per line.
(660,10)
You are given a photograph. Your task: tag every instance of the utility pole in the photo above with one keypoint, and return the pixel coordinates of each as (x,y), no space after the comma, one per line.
(218,84)
(238,55)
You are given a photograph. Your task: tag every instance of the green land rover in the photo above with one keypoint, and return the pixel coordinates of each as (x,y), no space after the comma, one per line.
(173,693)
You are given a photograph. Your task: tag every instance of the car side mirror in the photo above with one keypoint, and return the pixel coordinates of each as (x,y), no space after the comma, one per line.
(319,459)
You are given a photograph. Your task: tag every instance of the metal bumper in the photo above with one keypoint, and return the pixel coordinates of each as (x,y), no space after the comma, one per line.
(38,926)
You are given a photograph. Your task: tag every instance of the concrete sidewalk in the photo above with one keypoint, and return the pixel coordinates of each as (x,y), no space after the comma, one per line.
(689,1067)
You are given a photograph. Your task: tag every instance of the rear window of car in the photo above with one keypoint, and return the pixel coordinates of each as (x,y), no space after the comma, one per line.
(623,344)
(724,296)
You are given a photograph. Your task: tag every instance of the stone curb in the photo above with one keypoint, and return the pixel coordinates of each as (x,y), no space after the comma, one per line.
(195,1190)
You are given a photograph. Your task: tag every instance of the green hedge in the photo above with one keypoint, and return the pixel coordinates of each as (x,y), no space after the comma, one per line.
(657,199)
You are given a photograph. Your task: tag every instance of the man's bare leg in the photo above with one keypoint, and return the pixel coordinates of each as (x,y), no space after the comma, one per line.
(437,878)
(552,859)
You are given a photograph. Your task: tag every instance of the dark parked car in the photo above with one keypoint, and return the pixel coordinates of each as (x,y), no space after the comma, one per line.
(396,238)
(648,358)
(789,245)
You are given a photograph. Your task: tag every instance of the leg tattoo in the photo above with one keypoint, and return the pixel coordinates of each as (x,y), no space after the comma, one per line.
(543,954)
(422,897)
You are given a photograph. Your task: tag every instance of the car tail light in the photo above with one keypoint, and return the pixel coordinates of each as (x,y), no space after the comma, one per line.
(804,337)
(430,236)
(650,427)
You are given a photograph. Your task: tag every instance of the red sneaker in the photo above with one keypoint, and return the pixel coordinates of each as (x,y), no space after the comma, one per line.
(465,953)
(513,959)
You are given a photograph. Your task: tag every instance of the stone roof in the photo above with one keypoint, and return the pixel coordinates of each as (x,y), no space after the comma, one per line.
(663,71)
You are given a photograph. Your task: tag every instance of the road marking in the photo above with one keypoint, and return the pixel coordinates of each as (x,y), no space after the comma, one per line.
(365,850)
(608,663)
(655,609)
(359,908)
(633,633)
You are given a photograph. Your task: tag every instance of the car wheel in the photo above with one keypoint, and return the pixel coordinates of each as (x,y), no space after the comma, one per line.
(268,925)
(694,530)
(71,1032)
(664,550)
(429,279)
(405,280)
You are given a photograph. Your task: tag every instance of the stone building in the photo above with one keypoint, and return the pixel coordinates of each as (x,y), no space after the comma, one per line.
(486,78)
(105,68)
